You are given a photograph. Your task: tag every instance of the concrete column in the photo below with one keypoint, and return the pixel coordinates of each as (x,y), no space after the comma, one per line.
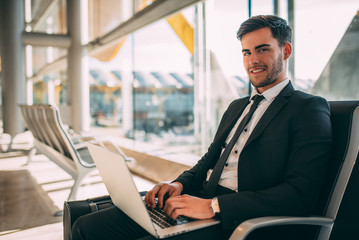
(13,64)
(127,101)
(249,15)
(78,73)
(291,19)
(202,85)
(127,79)
(276,7)
(28,69)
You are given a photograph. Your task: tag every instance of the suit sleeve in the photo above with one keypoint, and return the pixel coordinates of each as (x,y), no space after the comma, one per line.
(309,144)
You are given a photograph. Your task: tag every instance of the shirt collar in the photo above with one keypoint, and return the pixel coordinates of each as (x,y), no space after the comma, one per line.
(271,93)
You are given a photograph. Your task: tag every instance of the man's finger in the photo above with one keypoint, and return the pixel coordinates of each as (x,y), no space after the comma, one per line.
(161,194)
(178,212)
(150,197)
(172,204)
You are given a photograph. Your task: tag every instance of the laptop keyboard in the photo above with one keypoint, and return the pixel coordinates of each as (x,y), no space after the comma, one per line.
(159,217)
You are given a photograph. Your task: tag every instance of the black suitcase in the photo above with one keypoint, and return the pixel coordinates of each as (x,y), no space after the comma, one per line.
(75,209)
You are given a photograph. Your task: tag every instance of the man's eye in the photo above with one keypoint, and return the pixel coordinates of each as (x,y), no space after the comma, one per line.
(246,54)
(262,50)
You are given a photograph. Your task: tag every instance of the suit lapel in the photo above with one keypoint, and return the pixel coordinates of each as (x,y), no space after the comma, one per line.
(231,120)
(226,125)
(279,102)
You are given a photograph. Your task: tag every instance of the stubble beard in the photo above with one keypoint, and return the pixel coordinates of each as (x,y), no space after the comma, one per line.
(272,75)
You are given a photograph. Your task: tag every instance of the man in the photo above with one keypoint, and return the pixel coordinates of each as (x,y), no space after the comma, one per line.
(276,165)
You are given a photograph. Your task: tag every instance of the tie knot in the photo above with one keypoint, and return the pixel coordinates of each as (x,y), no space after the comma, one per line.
(257,99)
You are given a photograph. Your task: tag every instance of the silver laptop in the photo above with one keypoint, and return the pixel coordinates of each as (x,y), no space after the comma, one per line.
(122,189)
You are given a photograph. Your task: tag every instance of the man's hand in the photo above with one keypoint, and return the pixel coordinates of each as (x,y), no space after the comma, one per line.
(160,190)
(188,206)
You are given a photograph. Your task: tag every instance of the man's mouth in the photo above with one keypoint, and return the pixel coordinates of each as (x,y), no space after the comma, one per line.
(257,69)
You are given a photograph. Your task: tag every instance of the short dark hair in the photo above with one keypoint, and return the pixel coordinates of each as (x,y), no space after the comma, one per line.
(278,26)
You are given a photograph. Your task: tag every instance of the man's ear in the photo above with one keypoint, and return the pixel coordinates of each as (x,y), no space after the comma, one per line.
(287,50)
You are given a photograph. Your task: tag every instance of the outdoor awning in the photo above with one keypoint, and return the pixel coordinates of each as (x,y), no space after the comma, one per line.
(158,80)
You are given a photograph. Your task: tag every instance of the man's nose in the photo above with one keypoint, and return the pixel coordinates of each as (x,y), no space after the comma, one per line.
(253,59)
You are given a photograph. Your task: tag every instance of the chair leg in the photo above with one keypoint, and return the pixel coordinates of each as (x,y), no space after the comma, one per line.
(8,148)
(1,149)
(77,184)
(30,156)
(324,233)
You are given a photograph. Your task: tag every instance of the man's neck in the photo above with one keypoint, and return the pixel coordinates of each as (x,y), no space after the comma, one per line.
(260,90)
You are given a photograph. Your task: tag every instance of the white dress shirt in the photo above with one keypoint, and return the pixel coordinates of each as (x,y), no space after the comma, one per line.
(229,175)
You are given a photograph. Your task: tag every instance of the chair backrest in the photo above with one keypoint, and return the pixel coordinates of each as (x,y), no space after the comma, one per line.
(44,121)
(30,124)
(80,155)
(345,126)
(41,125)
(54,124)
(45,124)
(55,140)
(347,221)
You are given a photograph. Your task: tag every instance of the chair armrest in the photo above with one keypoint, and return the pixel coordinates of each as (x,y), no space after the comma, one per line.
(78,140)
(245,228)
(108,145)
(113,147)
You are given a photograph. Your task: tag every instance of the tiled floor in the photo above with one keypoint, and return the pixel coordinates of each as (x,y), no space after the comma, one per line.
(56,183)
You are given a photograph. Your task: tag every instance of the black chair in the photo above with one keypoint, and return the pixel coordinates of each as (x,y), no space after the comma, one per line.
(342,177)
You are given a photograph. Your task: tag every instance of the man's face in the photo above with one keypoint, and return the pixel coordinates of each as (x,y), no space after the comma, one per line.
(263,59)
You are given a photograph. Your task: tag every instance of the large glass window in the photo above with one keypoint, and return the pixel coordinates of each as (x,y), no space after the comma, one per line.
(325,65)
(51,88)
(319,26)
(163,83)
(228,77)
(157,61)
(150,81)
(105,15)
(48,16)
(44,55)
(105,95)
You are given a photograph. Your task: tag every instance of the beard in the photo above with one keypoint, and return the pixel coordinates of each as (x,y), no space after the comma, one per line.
(272,75)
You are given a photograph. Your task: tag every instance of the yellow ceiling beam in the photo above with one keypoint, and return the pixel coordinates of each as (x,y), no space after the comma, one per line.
(183,29)
(110,52)
(178,23)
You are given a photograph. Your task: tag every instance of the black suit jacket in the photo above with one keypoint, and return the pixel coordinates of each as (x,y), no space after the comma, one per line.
(282,165)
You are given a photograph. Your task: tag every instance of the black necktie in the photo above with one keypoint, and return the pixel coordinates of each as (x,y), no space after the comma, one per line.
(210,188)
